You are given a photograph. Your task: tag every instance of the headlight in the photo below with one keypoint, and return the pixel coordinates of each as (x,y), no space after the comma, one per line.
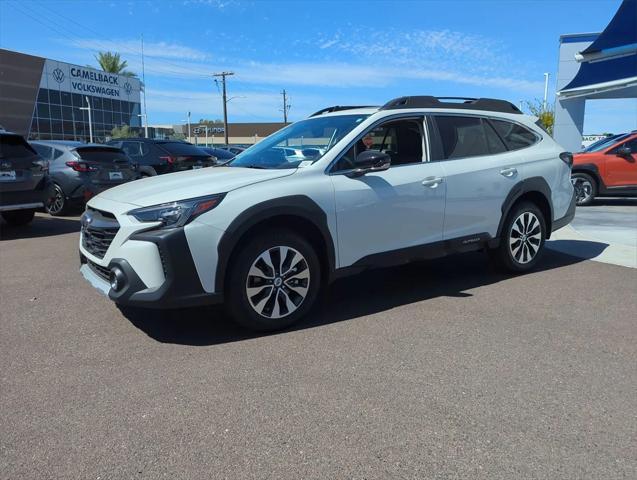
(177,214)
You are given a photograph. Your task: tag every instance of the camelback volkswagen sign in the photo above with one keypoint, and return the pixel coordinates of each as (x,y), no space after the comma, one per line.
(87,81)
(46,99)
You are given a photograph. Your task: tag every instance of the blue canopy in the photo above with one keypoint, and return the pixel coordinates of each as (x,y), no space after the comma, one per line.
(610,62)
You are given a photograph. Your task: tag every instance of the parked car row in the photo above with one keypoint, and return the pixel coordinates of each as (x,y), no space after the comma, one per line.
(59,176)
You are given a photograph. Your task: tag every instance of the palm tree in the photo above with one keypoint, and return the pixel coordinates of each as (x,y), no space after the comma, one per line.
(112,63)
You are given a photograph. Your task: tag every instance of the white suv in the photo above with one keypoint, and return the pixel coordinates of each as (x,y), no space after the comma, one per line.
(347,189)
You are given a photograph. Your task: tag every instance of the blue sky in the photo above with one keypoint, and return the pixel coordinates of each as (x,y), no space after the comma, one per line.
(322,52)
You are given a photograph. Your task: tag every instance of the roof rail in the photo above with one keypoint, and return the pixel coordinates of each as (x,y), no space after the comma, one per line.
(338,108)
(489,104)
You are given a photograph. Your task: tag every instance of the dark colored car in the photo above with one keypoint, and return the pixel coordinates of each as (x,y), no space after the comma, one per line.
(155,157)
(80,171)
(24,180)
(220,154)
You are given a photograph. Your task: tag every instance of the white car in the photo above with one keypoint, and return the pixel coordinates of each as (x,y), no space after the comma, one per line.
(263,234)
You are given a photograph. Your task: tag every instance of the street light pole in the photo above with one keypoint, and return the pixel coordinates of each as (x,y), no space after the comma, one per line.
(546,90)
(223,76)
(188,126)
(90,123)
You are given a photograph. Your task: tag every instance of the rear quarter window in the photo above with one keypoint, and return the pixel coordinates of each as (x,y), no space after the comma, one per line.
(514,136)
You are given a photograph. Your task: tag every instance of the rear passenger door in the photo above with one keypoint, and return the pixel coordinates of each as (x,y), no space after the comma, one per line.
(479,173)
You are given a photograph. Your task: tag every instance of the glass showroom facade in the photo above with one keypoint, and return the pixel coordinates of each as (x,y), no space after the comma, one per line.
(58,116)
(49,100)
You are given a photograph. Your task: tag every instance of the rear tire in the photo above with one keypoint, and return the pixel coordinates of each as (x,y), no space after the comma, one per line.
(58,205)
(585,188)
(522,239)
(273,281)
(17,218)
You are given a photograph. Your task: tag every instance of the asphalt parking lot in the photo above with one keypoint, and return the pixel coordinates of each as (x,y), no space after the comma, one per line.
(442,369)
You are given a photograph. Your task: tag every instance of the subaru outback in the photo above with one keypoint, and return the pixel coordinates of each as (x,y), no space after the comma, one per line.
(364,187)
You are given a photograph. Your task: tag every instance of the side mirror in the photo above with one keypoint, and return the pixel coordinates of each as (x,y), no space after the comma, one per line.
(370,161)
(625,152)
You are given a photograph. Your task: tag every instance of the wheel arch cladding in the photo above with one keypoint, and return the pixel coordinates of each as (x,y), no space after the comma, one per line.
(297,213)
(535,190)
(590,169)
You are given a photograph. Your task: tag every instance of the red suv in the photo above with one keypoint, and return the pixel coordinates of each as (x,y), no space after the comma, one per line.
(606,169)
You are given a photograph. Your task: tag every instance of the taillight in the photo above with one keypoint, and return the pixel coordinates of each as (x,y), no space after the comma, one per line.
(81,166)
(567,158)
(170,160)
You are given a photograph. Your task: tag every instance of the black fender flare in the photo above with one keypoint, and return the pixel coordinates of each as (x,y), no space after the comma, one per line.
(293,205)
(531,184)
(592,170)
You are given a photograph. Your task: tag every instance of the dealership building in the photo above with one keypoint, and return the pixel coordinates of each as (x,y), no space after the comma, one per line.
(42,98)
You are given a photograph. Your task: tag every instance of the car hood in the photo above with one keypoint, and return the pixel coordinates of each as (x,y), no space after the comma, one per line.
(189,184)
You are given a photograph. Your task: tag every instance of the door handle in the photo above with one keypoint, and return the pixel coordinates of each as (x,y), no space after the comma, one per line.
(432,182)
(508,172)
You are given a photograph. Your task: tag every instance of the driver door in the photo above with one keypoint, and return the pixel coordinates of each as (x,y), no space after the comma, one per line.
(393,209)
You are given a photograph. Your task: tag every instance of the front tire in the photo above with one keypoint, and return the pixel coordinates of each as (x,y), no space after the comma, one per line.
(522,239)
(274,281)
(585,188)
(17,218)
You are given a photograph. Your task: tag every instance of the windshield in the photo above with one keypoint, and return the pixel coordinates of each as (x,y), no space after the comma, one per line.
(304,141)
(603,143)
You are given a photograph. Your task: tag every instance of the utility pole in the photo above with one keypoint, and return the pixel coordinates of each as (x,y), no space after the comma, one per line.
(286,107)
(223,76)
(144,90)
(90,123)
(546,90)
(188,126)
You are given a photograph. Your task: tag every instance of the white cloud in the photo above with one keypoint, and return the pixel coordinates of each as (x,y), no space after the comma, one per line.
(151,49)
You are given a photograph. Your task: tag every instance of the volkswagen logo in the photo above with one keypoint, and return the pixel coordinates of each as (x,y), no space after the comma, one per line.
(128,87)
(58,75)
(6,165)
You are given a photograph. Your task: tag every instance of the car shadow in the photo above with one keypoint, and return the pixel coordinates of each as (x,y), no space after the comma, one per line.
(367,293)
(43,225)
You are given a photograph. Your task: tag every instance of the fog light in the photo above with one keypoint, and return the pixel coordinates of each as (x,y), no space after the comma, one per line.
(117,279)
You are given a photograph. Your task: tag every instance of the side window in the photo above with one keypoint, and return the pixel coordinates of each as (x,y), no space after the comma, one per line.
(43,151)
(402,140)
(460,137)
(57,153)
(632,144)
(515,136)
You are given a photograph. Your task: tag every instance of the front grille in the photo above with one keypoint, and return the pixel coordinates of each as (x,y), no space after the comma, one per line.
(98,230)
(103,272)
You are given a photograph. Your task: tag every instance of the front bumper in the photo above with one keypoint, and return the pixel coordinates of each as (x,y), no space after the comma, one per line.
(181,287)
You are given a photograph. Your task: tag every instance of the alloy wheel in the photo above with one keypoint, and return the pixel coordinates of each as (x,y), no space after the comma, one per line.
(583,189)
(525,237)
(57,204)
(278,282)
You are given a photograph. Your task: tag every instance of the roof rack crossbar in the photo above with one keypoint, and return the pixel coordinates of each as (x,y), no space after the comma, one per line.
(428,101)
(338,108)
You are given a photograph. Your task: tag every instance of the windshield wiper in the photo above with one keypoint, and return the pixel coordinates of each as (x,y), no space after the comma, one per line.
(253,166)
